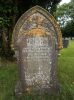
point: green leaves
(65, 17)
(65, 12)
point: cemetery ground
(9, 77)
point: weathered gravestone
(36, 44)
(65, 43)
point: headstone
(65, 43)
(36, 47)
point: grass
(9, 77)
(66, 72)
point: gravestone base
(53, 89)
(18, 89)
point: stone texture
(36, 44)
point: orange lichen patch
(37, 31)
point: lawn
(9, 77)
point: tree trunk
(71, 38)
(4, 39)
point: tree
(65, 17)
(68, 30)
(49, 5)
(62, 14)
(7, 12)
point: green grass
(66, 72)
(9, 77)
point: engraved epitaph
(36, 42)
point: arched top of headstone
(29, 15)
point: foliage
(68, 30)
(50, 5)
(7, 13)
(65, 17)
(65, 13)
